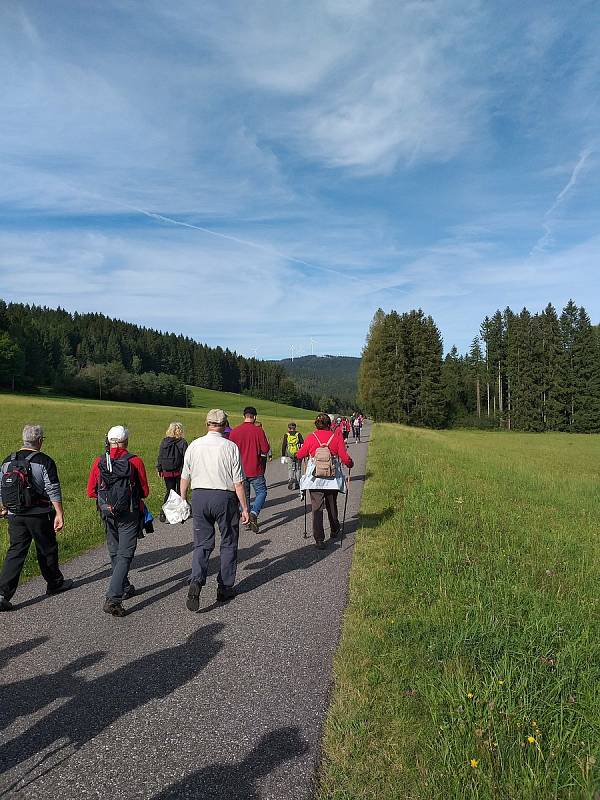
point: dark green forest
(524, 371)
(91, 355)
(332, 380)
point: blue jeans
(259, 485)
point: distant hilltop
(325, 376)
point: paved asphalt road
(226, 703)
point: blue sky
(254, 174)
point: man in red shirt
(119, 484)
(252, 443)
(324, 491)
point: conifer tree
(586, 376)
(369, 373)
(568, 327)
(554, 371)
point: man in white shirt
(213, 467)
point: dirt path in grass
(226, 703)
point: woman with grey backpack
(323, 478)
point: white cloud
(402, 144)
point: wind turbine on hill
(312, 345)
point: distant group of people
(222, 469)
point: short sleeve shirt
(213, 462)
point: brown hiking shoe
(114, 608)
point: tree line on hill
(92, 355)
(524, 371)
(332, 380)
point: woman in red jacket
(324, 491)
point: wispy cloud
(343, 153)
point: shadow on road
(96, 704)
(239, 781)
(176, 582)
(271, 568)
(19, 649)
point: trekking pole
(345, 506)
(305, 532)
(304, 497)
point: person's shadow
(31, 694)
(271, 568)
(240, 781)
(19, 649)
(98, 703)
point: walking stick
(304, 496)
(345, 506)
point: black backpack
(16, 488)
(117, 492)
(170, 456)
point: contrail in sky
(246, 242)
(560, 197)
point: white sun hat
(118, 434)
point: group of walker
(221, 468)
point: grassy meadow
(469, 665)
(75, 431)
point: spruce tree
(554, 371)
(368, 376)
(569, 321)
(586, 377)
(476, 376)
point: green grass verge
(469, 665)
(75, 431)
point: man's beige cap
(216, 416)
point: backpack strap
(31, 455)
(318, 440)
(328, 442)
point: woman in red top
(321, 495)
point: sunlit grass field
(469, 665)
(75, 431)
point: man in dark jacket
(41, 521)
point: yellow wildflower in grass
(530, 739)
(474, 763)
(470, 695)
(501, 682)
(534, 724)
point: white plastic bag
(283, 460)
(176, 508)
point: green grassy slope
(234, 404)
(469, 665)
(75, 431)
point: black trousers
(171, 483)
(22, 529)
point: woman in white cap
(119, 484)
